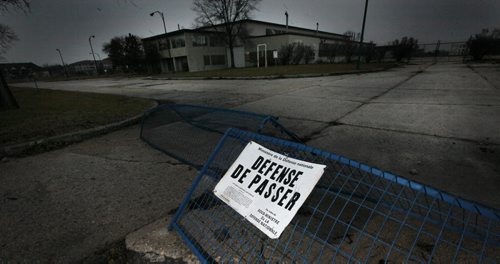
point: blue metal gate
(356, 213)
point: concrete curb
(66, 139)
(270, 77)
(153, 243)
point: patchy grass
(336, 68)
(44, 113)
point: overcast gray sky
(67, 24)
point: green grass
(285, 70)
(45, 113)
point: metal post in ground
(362, 35)
(92, 50)
(63, 64)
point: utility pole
(64, 65)
(286, 15)
(436, 52)
(98, 56)
(362, 35)
(92, 50)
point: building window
(214, 60)
(218, 59)
(164, 44)
(178, 43)
(216, 41)
(206, 60)
(199, 40)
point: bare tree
(225, 14)
(7, 36)
(20, 5)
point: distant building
(20, 71)
(106, 64)
(86, 67)
(54, 71)
(204, 49)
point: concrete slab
(217, 99)
(150, 88)
(369, 81)
(307, 108)
(491, 72)
(63, 205)
(483, 97)
(479, 123)
(303, 128)
(339, 93)
(155, 244)
(447, 77)
(466, 169)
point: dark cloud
(68, 24)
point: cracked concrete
(63, 205)
(438, 124)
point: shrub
(485, 43)
(293, 53)
(404, 48)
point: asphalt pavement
(436, 124)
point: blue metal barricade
(356, 213)
(201, 128)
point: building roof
(180, 31)
(204, 29)
(82, 62)
(279, 25)
(301, 34)
(17, 65)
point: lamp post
(64, 65)
(99, 56)
(362, 35)
(92, 50)
(164, 28)
(162, 18)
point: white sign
(267, 188)
(275, 54)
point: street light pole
(162, 19)
(362, 35)
(99, 56)
(64, 65)
(92, 49)
(164, 28)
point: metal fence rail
(201, 128)
(356, 213)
